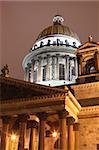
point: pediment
(88, 45)
(13, 88)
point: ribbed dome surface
(58, 29)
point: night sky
(21, 22)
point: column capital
(5, 119)
(23, 117)
(76, 126)
(42, 115)
(32, 124)
(70, 120)
(62, 114)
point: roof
(13, 89)
(58, 28)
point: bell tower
(88, 60)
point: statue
(5, 71)
(90, 38)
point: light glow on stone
(54, 134)
(13, 137)
(61, 38)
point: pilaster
(76, 130)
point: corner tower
(52, 59)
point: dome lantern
(58, 19)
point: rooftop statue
(5, 71)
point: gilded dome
(58, 28)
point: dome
(58, 28)
(52, 60)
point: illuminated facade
(52, 59)
(64, 115)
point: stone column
(76, 66)
(53, 68)
(22, 131)
(97, 60)
(32, 71)
(48, 68)
(39, 70)
(42, 117)
(81, 65)
(5, 127)
(57, 66)
(70, 122)
(63, 139)
(26, 75)
(76, 129)
(33, 125)
(67, 68)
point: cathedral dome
(57, 28)
(52, 59)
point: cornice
(25, 84)
(85, 86)
(35, 99)
(89, 112)
(33, 105)
(88, 75)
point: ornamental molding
(89, 75)
(88, 112)
(36, 99)
(85, 86)
(33, 86)
(33, 105)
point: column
(81, 65)
(67, 68)
(97, 60)
(76, 67)
(32, 71)
(70, 122)
(33, 125)
(5, 127)
(53, 68)
(48, 68)
(63, 139)
(22, 131)
(76, 129)
(39, 70)
(42, 117)
(26, 75)
(57, 66)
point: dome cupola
(52, 59)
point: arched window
(90, 66)
(61, 72)
(44, 73)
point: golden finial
(5, 71)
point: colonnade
(52, 68)
(68, 132)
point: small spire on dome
(58, 19)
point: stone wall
(89, 133)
